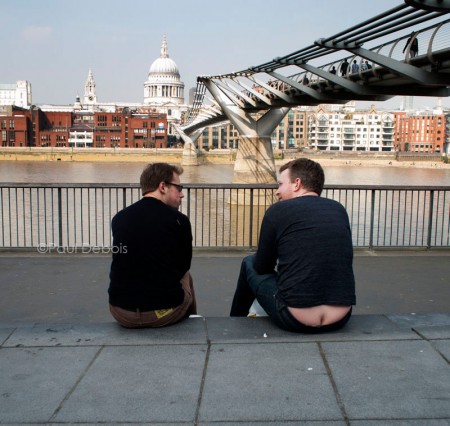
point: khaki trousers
(161, 317)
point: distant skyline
(53, 43)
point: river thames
(220, 217)
(122, 172)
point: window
(115, 141)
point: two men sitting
(301, 273)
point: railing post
(430, 218)
(59, 216)
(372, 219)
(188, 207)
(124, 198)
(250, 238)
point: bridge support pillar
(254, 161)
(190, 155)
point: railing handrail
(222, 186)
(222, 215)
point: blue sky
(53, 43)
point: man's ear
(162, 187)
(298, 184)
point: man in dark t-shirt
(302, 273)
(150, 284)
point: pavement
(64, 361)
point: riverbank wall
(170, 155)
(220, 156)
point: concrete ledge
(224, 330)
(389, 370)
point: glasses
(179, 187)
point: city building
(420, 132)
(15, 126)
(290, 133)
(447, 134)
(164, 90)
(223, 136)
(345, 129)
(83, 128)
(90, 96)
(18, 94)
(88, 122)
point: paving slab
(189, 331)
(138, 384)
(412, 320)
(443, 347)
(261, 329)
(4, 334)
(276, 423)
(34, 381)
(417, 422)
(390, 380)
(267, 382)
(100, 424)
(431, 333)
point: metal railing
(222, 215)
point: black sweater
(152, 250)
(310, 238)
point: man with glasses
(152, 251)
(302, 272)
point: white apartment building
(18, 94)
(345, 129)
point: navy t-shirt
(310, 238)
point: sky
(53, 43)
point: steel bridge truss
(415, 63)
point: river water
(119, 172)
(76, 217)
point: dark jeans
(251, 285)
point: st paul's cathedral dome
(163, 85)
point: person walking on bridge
(414, 45)
(302, 272)
(344, 68)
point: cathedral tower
(90, 98)
(163, 85)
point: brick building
(420, 133)
(15, 126)
(85, 128)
